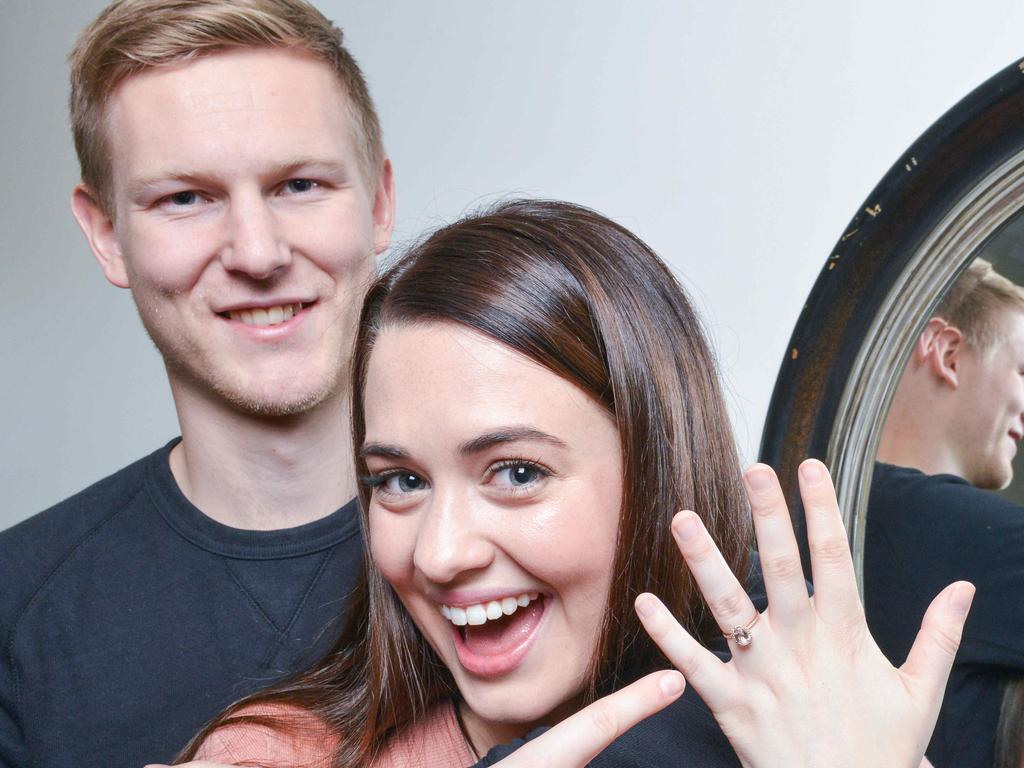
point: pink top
(434, 742)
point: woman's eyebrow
(508, 435)
(476, 445)
(382, 450)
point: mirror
(955, 195)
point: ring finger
(728, 601)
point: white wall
(736, 138)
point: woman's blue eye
(518, 475)
(403, 482)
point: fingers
(726, 598)
(709, 676)
(577, 739)
(835, 583)
(776, 544)
(931, 656)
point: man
(234, 179)
(950, 437)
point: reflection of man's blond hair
(974, 301)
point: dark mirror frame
(946, 195)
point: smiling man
(950, 437)
(234, 179)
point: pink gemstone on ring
(742, 636)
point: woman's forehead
(445, 379)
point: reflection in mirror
(948, 440)
(954, 195)
(1006, 252)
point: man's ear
(384, 208)
(98, 228)
(939, 347)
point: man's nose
(450, 541)
(254, 245)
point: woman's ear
(98, 228)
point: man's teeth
(266, 315)
(481, 613)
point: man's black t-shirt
(923, 533)
(128, 618)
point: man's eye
(300, 185)
(188, 197)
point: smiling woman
(533, 401)
(513, 497)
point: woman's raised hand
(575, 741)
(807, 685)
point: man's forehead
(236, 79)
(233, 108)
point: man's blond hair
(974, 303)
(130, 36)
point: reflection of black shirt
(924, 532)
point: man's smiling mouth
(261, 317)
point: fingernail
(644, 605)
(759, 478)
(960, 600)
(685, 527)
(671, 683)
(812, 471)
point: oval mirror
(957, 194)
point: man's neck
(261, 473)
(913, 447)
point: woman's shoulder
(434, 741)
(280, 735)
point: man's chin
(277, 400)
(995, 479)
(276, 405)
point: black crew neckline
(205, 532)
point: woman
(533, 399)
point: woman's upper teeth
(481, 613)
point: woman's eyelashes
(512, 477)
(517, 476)
(395, 482)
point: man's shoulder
(33, 549)
(910, 491)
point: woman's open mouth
(492, 638)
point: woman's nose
(451, 540)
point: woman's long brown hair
(1009, 740)
(588, 300)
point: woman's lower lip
(497, 664)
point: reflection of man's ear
(99, 231)
(939, 348)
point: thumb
(927, 666)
